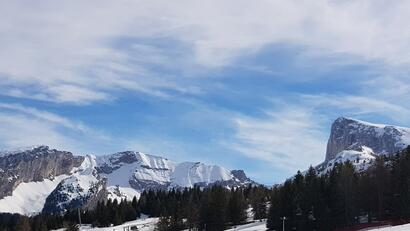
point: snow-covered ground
(255, 226)
(148, 224)
(405, 227)
(143, 224)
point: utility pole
(79, 217)
(283, 223)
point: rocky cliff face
(35, 164)
(351, 134)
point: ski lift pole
(283, 223)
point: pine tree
(23, 224)
(39, 224)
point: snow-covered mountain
(360, 142)
(129, 173)
(42, 179)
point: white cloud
(45, 116)
(360, 106)
(23, 126)
(70, 51)
(21, 131)
(290, 139)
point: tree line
(213, 208)
(343, 197)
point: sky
(251, 85)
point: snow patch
(361, 160)
(120, 193)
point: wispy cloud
(290, 139)
(23, 126)
(21, 131)
(359, 105)
(46, 116)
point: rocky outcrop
(108, 164)
(351, 134)
(34, 164)
(69, 194)
(240, 175)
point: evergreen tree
(23, 224)
(39, 224)
(237, 207)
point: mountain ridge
(87, 179)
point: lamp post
(283, 223)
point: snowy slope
(118, 185)
(187, 174)
(361, 160)
(29, 198)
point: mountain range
(42, 179)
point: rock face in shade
(42, 179)
(351, 134)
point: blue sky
(251, 86)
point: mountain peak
(24, 149)
(353, 134)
